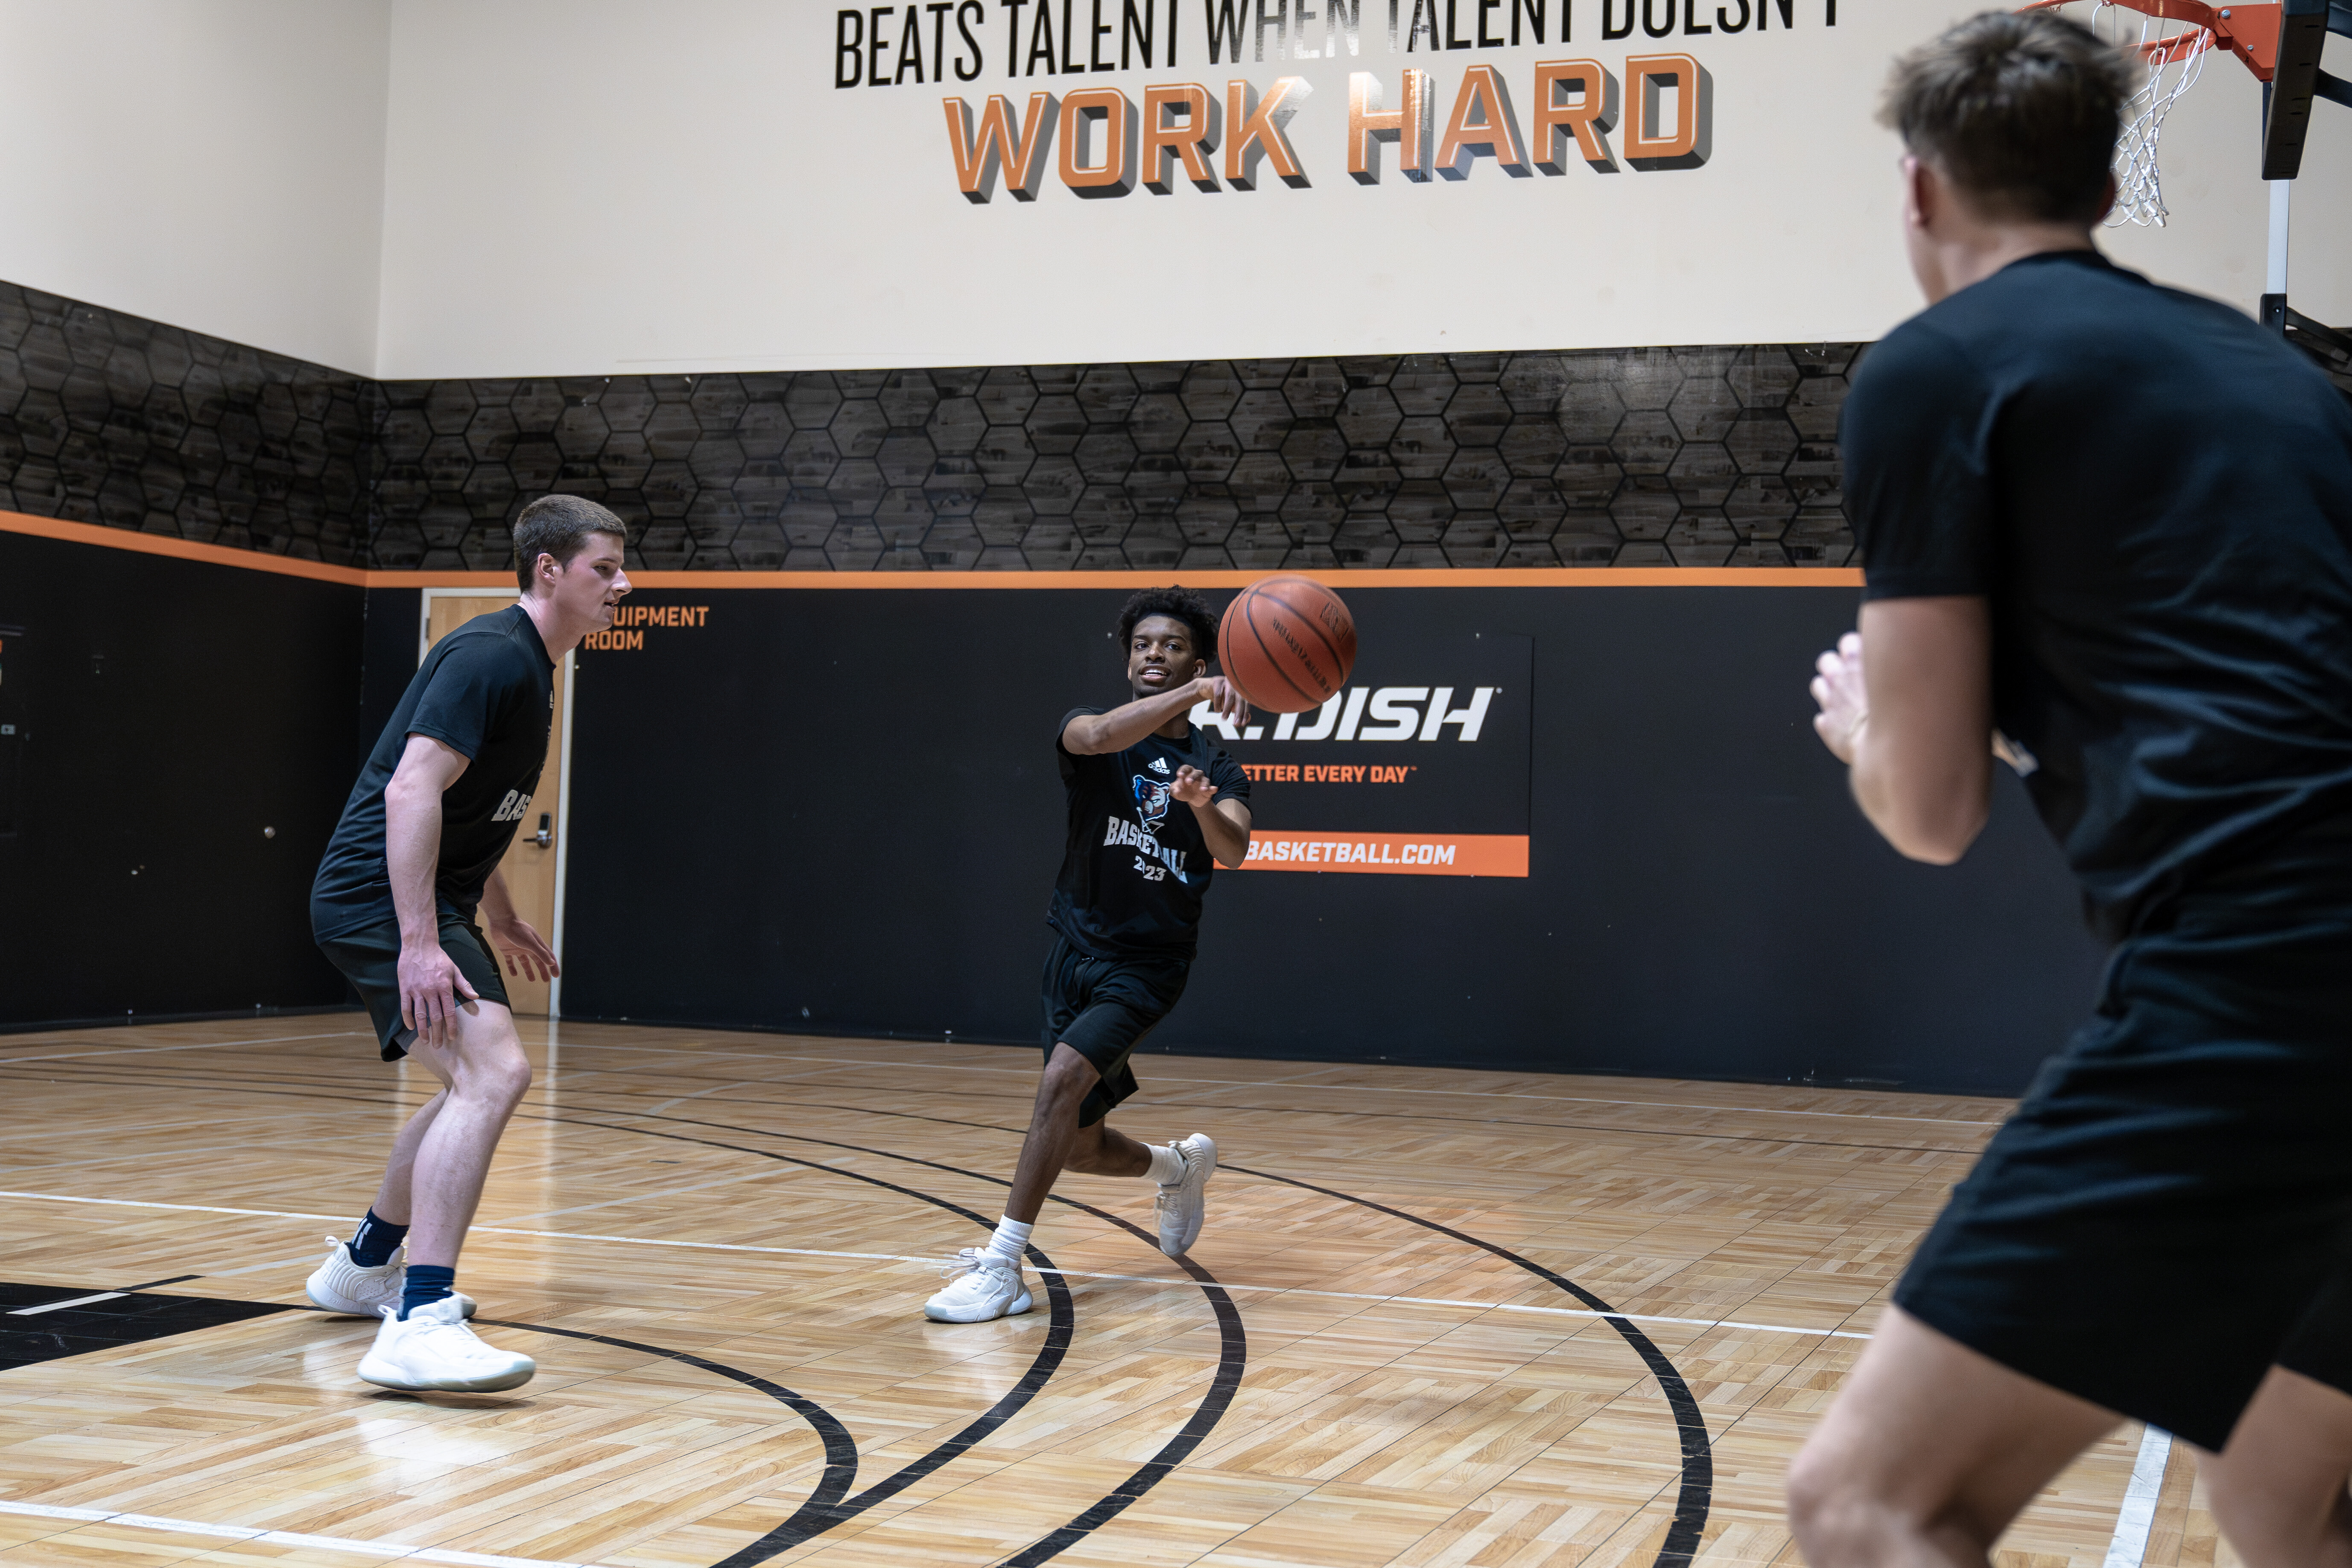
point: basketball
(1287, 644)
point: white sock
(1167, 1165)
(1011, 1238)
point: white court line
(1025, 1072)
(1178, 1085)
(1065, 1273)
(202, 1046)
(279, 1537)
(2138, 1516)
(258, 1268)
(61, 1306)
(667, 1192)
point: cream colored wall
(595, 186)
(429, 188)
(213, 163)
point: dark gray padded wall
(109, 419)
(1692, 456)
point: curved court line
(1153, 1280)
(1692, 1503)
(811, 1520)
(840, 1447)
(808, 1522)
(1695, 1498)
(1299, 1078)
(1233, 1343)
(1409, 1116)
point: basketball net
(2175, 60)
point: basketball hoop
(2175, 37)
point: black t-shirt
(2156, 496)
(488, 691)
(1136, 866)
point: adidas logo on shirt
(1158, 764)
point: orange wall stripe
(700, 582)
(1398, 853)
(181, 549)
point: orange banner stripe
(1398, 853)
(1369, 577)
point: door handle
(545, 837)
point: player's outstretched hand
(1192, 787)
(1844, 702)
(430, 985)
(1224, 698)
(527, 954)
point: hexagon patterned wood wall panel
(1612, 456)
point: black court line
(1695, 1498)
(1220, 1105)
(128, 1318)
(1694, 1501)
(1233, 1343)
(808, 1521)
(1306, 1111)
(1372, 1116)
(840, 1448)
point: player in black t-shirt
(414, 856)
(1152, 806)
(2107, 528)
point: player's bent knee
(1067, 1078)
(1831, 1514)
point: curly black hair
(1182, 603)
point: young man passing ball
(1151, 803)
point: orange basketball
(1287, 644)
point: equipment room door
(534, 862)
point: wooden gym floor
(1388, 1346)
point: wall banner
(1649, 106)
(1419, 768)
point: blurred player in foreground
(2107, 527)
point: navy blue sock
(375, 1241)
(425, 1283)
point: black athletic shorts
(370, 960)
(1101, 1008)
(2162, 1218)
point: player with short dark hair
(2107, 528)
(1152, 806)
(413, 858)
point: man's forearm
(412, 843)
(1123, 727)
(1227, 840)
(1935, 814)
(497, 904)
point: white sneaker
(432, 1349)
(340, 1285)
(984, 1286)
(1183, 1202)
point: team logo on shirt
(1151, 797)
(1153, 859)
